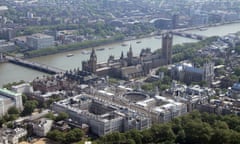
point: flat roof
(158, 109)
(2, 8)
(161, 98)
(145, 103)
(6, 91)
(40, 36)
(105, 92)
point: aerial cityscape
(119, 71)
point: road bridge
(188, 35)
(33, 65)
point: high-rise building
(167, 40)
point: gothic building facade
(167, 40)
(187, 73)
(131, 66)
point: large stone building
(6, 46)
(11, 136)
(103, 117)
(130, 67)
(38, 41)
(187, 73)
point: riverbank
(116, 39)
(72, 47)
(81, 46)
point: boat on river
(202, 29)
(138, 42)
(123, 44)
(100, 49)
(85, 52)
(69, 55)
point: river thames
(10, 72)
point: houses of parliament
(128, 67)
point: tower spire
(122, 56)
(93, 54)
(93, 61)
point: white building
(162, 109)
(38, 41)
(102, 117)
(9, 99)
(11, 136)
(23, 88)
(42, 127)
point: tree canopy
(200, 128)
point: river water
(10, 72)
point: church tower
(167, 40)
(93, 62)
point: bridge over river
(34, 65)
(188, 35)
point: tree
(56, 135)
(181, 136)
(148, 87)
(220, 136)
(197, 132)
(50, 115)
(24, 98)
(13, 110)
(147, 136)
(220, 125)
(237, 71)
(29, 107)
(113, 137)
(162, 133)
(74, 135)
(61, 116)
(234, 138)
(134, 135)
(162, 69)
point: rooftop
(236, 86)
(40, 36)
(2, 8)
(6, 91)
